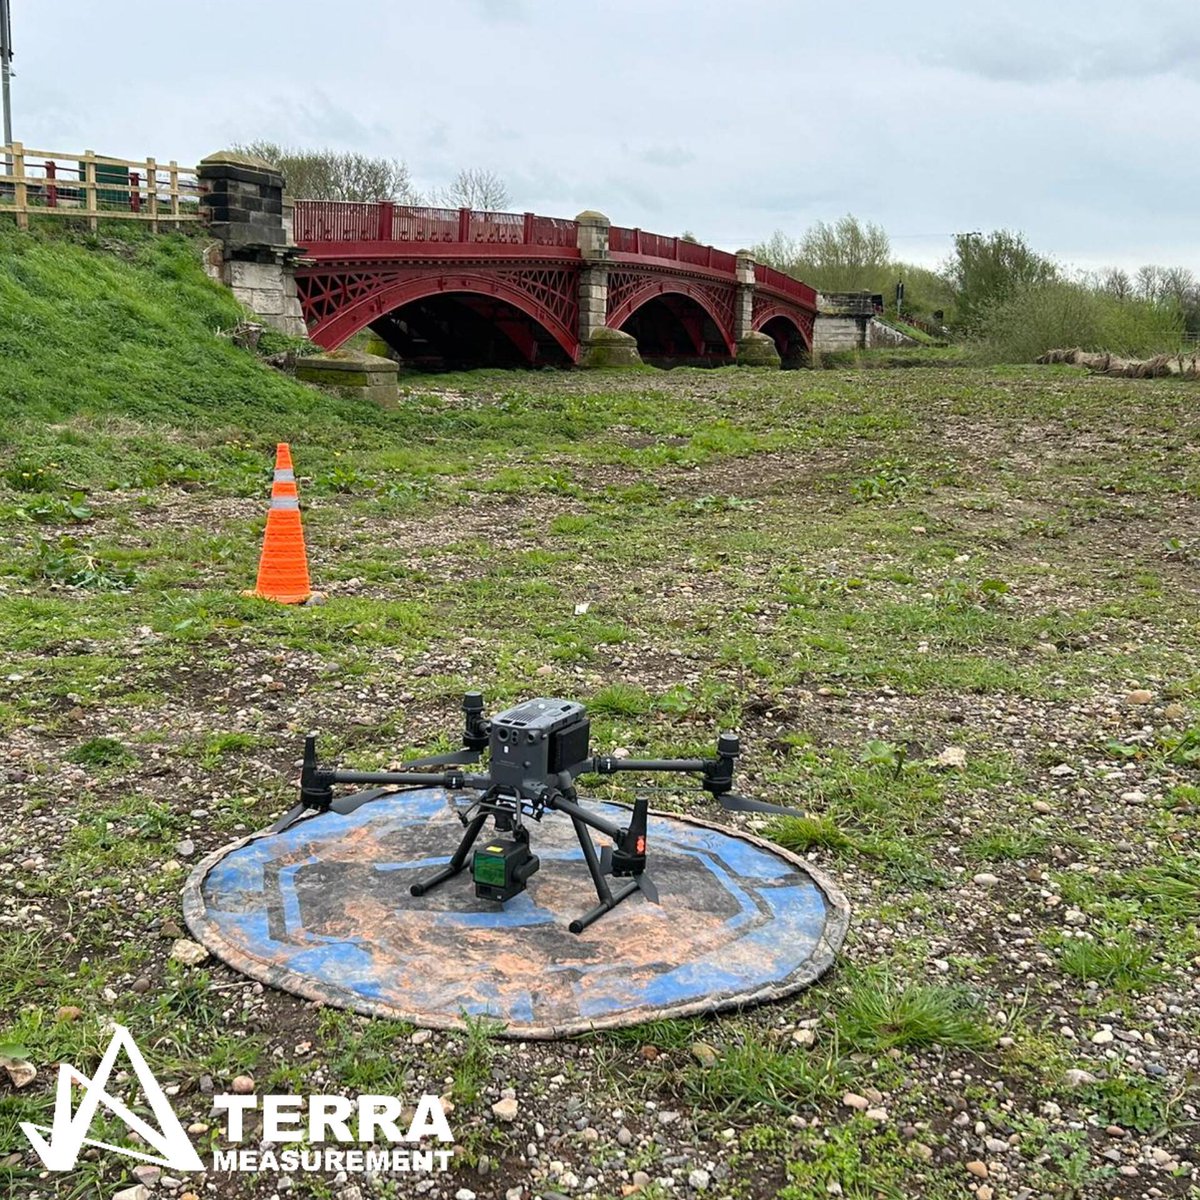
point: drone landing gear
(625, 858)
(502, 869)
(608, 898)
(458, 859)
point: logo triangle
(68, 1134)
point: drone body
(536, 750)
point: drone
(535, 752)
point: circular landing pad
(323, 910)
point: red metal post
(51, 190)
(386, 210)
(527, 234)
(464, 224)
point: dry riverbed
(953, 614)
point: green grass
(621, 700)
(881, 1012)
(754, 1074)
(102, 752)
(801, 834)
(859, 1160)
(1000, 845)
(1116, 959)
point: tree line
(997, 291)
(349, 175)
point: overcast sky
(1073, 122)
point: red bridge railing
(324, 221)
(777, 281)
(680, 250)
(383, 221)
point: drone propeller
(628, 858)
(342, 805)
(290, 817)
(732, 802)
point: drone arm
(610, 766)
(577, 812)
(717, 772)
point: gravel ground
(953, 615)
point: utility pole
(5, 73)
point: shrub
(1031, 320)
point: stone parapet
(243, 204)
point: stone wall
(839, 331)
(882, 335)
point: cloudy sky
(1072, 121)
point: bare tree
(1149, 282)
(1116, 283)
(1180, 284)
(845, 256)
(336, 174)
(474, 187)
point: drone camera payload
(536, 750)
(501, 869)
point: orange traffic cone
(283, 568)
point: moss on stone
(610, 348)
(757, 350)
(351, 373)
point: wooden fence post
(152, 193)
(91, 199)
(173, 170)
(20, 195)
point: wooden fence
(95, 187)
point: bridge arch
(342, 309)
(783, 323)
(627, 298)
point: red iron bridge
(462, 288)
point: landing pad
(323, 910)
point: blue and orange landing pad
(323, 910)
